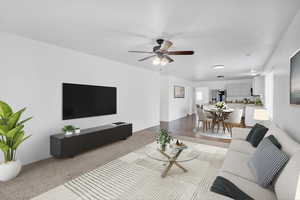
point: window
(199, 96)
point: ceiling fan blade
(146, 58)
(180, 53)
(169, 59)
(166, 45)
(140, 52)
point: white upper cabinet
(259, 85)
(238, 90)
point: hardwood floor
(184, 127)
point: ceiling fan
(161, 53)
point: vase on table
(163, 147)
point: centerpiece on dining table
(220, 106)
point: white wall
(284, 114)
(164, 98)
(177, 107)
(180, 107)
(269, 93)
(32, 74)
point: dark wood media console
(62, 146)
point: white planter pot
(10, 170)
(68, 133)
(77, 131)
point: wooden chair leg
(223, 124)
(227, 126)
(213, 125)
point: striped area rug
(135, 176)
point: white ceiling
(219, 31)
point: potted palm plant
(163, 138)
(11, 136)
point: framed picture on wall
(295, 79)
(179, 91)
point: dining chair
(204, 119)
(235, 118)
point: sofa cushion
(258, 134)
(273, 139)
(240, 133)
(266, 162)
(250, 188)
(288, 145)
(288, 183)
(237, 163)
(242, 146)
(252, 131)
(225, 187)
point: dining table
(218, 117)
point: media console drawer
(62, 146)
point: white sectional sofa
(236, 170)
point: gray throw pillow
(273, 139)
(258, 135)
(266, 162)
(253, 129)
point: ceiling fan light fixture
(219, 67)
(156, 61)
(253, 72)
(161, 53)
(164, 61)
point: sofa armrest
(240, 133)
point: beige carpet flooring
(44, 175)
(136, 176)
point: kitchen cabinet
(238, 90)
(259, 85)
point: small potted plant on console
(69, 130)
(163, 139)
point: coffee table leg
(178, 165)
(171, 163)
(164, 174)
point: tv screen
(295, 79)
(88, 100)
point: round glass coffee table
(173, 155)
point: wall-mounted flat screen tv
(88, 100)
(295, 79)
